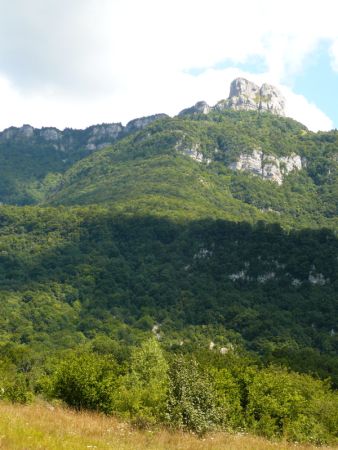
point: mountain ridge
(243, 96)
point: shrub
(192, 400)
(286, 404)
(86, 381)
(142, 392)
(14, 385)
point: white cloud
(299, 108)
(78, 62)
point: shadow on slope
(74, 271)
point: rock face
(198, 108)
(245, 95)
(91, 138)
(190, 150)
(103, 135)
(271, 100)
(51, 134)
(142, 122)
(268, 167)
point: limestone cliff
(245, 95)
(198, 108)
(142, 122)
(92, 138)
(268, 167)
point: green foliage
(85, 381)
(141, 392)
(148, 171)
(291, 405)
(141, 234)
(192, 400)
(71, 275)
(14, 385)
(228, 394)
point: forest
(139, 282)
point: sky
(75, 63)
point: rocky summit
(245, 95)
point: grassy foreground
(43, 427)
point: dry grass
(42, 427)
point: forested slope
(216, 234)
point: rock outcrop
(91, 138)
(142, 122)
(51, 134)
(103, 135)
(191, 150)
(245, 95)
(198, 108)
(271, 100)
(268, 167)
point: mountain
(217, 225)
(33, 160)
(231, 164)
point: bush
(86, 381)
(290, 405)
(142, 392)
(192, 399)
(14, 385)
(228, 392)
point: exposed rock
(91, 138)
(142, 122)
(266, 277)
(26, 131)
(102, 136)
(198, 108)
(250, 162)
(268, 167)
(190, 150)
(9, 133)
(203, 253)
(156, 331)
(271, 100)
(245, 95)
(51, 134)
(227, 349)
(317, 279)
(211, 345)
(241, 275)
(110, 131)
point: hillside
(190, 162)
(213, 232)
(33, 160)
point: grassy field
(43, 427)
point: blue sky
(318, 82)
(74, 63)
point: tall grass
(43, 427)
